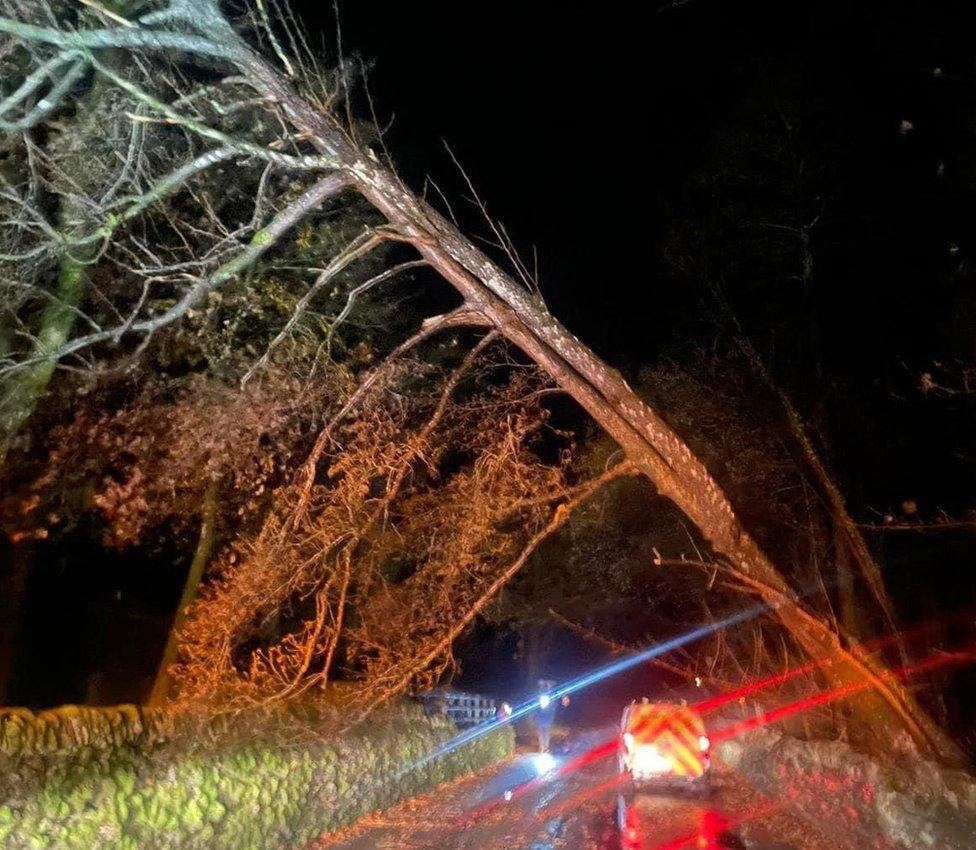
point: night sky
(580, 128)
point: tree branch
(46, 105)
(128, 37)
(260, 243)
(208, 132)
(559, 518)
(350, 254)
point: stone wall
(128, 779)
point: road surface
(512, 807)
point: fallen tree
(198, 28)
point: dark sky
(548, 110)
(579, 126)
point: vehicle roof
(644, 710)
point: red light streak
(867, 648)
(938, 660)
(718, 701)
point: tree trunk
(23, 390)
(647, 440)
(162, 684)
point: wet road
(513, 807)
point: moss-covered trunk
(24, 388)
(21, 392)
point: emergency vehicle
(664, 743)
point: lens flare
(937, 660)
(544, 763)
(589, 679)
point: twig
(360, 246)
(262, 241)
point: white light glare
(544, 701)
(544, 762)
(648, 760)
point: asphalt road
(514, 807)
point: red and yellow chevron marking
(675, 731)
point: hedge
(96, 778)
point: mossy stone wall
(97, 778)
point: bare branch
(207, 132)
(260, 243)
(35, 80)
(325, 276)
(272, 38)
(133, 38)
(365, 286)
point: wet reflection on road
(580, 804)
(593, 807)
(666, 823)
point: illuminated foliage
(378, 558)
(147, 464)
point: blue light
(588, 679)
